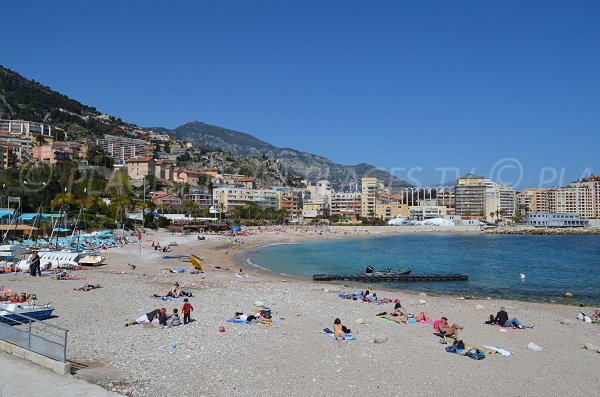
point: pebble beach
(294, 357)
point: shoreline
(244, 360)
(243, 255)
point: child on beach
(163, 317)
(186, 310)
(338, 331)
(175, 320)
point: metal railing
(46, 339)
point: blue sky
(508, 89)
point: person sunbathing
(252, 318)
(87, 287)
(449, 330)
(338, 330)
(16, 297)
(397, 316)
(422, 317)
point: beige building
(423, 212)
(140, 167)
(347, 205)
(391, 210)
(534, 200)
(479, 198)
(591, 183)
(229, 198)
(373, 194)
(312, 209)
(122, 148)
(576, 199)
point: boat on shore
(13, 312)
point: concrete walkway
(22, 378)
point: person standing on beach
(35, 264)
(503, 320)
(187, 310)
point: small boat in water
(13, 313)
(370, 270)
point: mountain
(24, 99)
(307, 165)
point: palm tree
(94, 203)
(189, 206)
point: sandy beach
(294, 357)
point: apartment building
(422, 212)
(479, 198)
(229, 198)
(140, 167)
(346, 205)
(122, 148)
(291, 201)
(312, 209)
(373, 194)
(577, 199)
(9, 155)
(469, 195)
(200, 197)
(389, 211)
(24, 128)
(534, 200)
(591, 183)
(59, 152)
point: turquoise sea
(552, 265)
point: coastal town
(149, 160)
(321, 199)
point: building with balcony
(229, 198)
(346, 205)
(423, 212)
(201, 198)
(533, 200)
(122, 148)
(25, 128)
(373, 194)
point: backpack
(475, 354)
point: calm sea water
(551, 264)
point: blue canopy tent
(6, 213)
(32, 216)
(236, 229)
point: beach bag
(451, 349)
(346, 330)
(475, 354)
(265, 312)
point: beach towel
(275, 321)
(348, 337)
(386, 319)
(505, 353)
(167, 298)
(469, 346)
(501, 326)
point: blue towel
(348, 337)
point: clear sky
(409, 86)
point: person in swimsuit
(252, 318)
